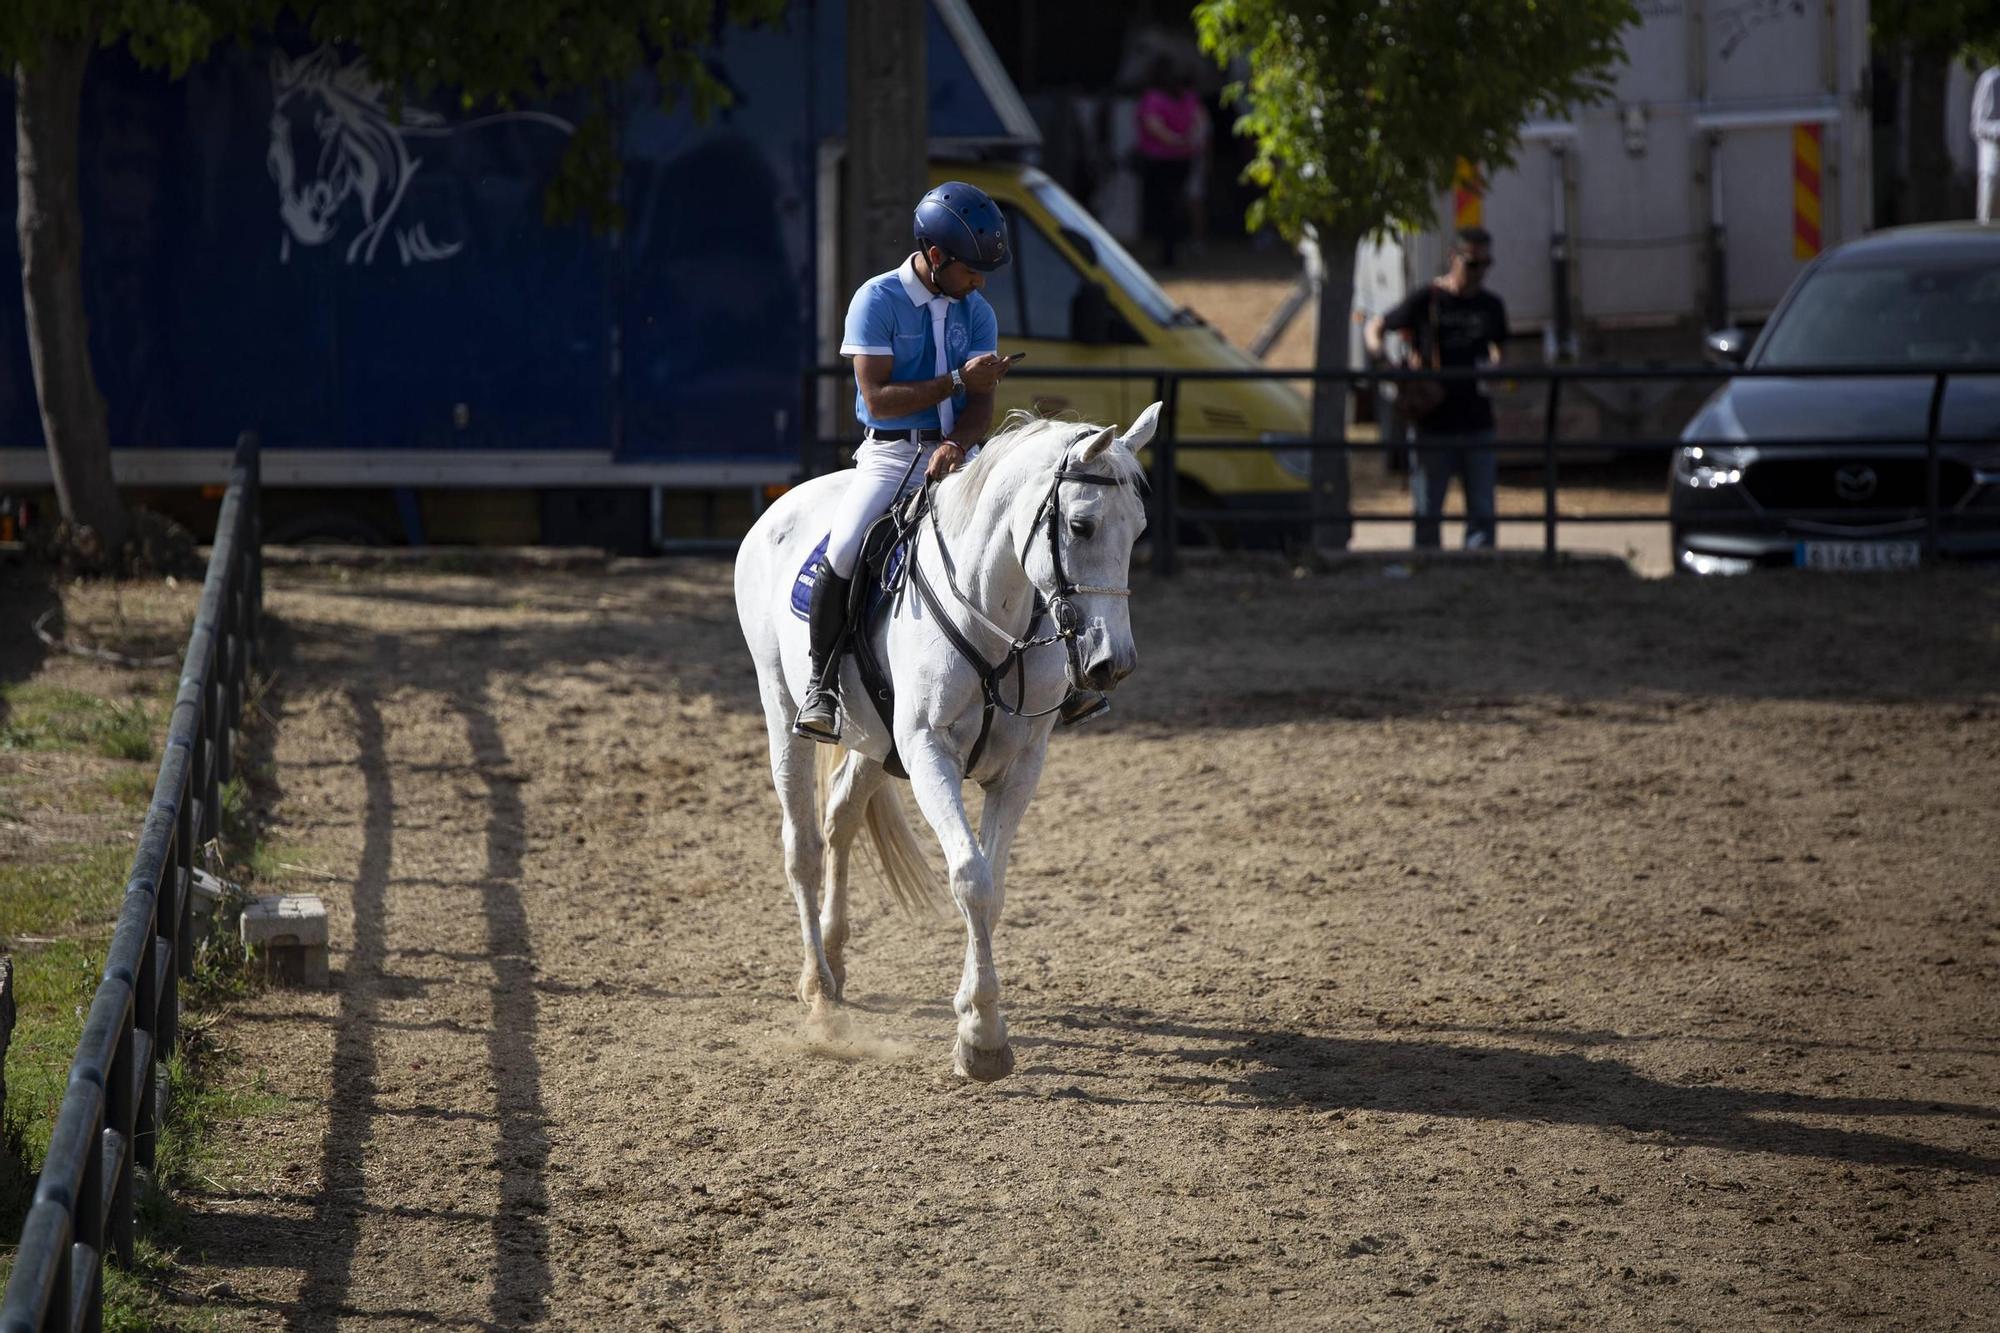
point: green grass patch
(77, 888)
(56, 917)
(130, 790)
(55, 717)
(53, 988)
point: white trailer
(1687, 201)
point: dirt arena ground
(1482, 949)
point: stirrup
(819, 717)
(1082, 706)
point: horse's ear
(1098, 444)
(1142, 430)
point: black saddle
(885, 553)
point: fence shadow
(1274, 1067)
(326, 1245)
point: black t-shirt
(1467, 325)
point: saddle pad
(880, 579)
(808, 575)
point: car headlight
(1297, 462)
(1706, 466)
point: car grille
(1864, 485)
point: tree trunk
(888, 134)
(1929, 198)
(1331, 342)
(47, 101)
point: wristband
(957, 381)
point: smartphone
(1012, 357)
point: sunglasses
(1479, 265)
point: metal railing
(106, 1131)
(1166, 513)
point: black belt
(922, 434)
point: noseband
(1057, 604)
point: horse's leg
(792, 774)
(847, 800)
(1007, 798)
(982, 1051)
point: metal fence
(106, 1131)
(1167, 513)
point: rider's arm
(975, 421)
(887, 398)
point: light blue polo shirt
(891, 316)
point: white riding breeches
(883, 470)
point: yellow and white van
(1073, 297)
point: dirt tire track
(1482, 950)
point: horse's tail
(900, 862)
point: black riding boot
(1081, 706)
(826, 622)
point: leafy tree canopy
(1970, 27)
(1359, 109)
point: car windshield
(1908, 312)
(1124, 270)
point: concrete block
(209, 893)
(287, 937)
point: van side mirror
(1094, 321)
(1727, 347)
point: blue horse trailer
(270, 246)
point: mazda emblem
(1854, 482)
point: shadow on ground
(1274, 1068)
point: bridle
(1056, 604)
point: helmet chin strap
(936, 281)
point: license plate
(1845, 557)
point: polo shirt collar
(913, 286)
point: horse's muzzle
(1105, 671)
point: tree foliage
(1971, 27)
(1359, 109)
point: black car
(1831, 473)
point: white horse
(1048, 513)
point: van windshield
(1131, 277)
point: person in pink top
(1173, 132)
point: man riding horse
(926, 355)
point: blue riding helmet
(962, 221)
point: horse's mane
(1022, 431)
(355, 94)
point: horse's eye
(1082, 529)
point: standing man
(1986, 138)
(926, 359)
(1452, 321)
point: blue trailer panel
(269, 246)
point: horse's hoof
(982, 1066)
(815, 985)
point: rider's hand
(984, 371)
(948, 455)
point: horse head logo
(336, 117)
